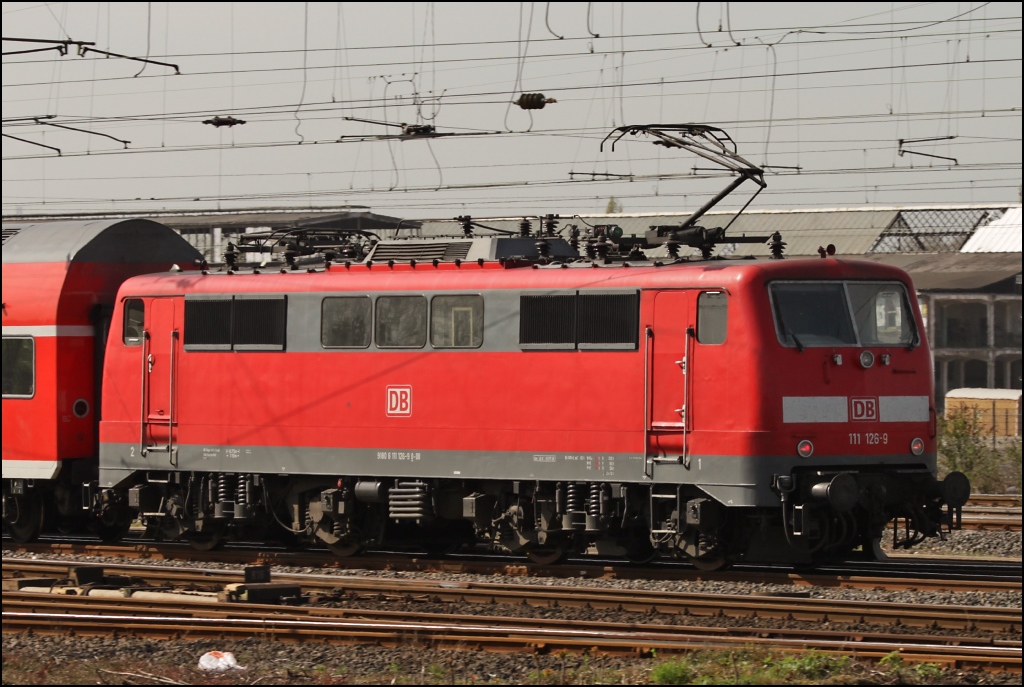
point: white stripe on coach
(44, 330)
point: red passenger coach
(59, 284)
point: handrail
(170, 404)
(145, 377)
(648, 335)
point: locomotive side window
(401, 322)
(607, 320)
(457, 321)
(258, 324)
(712, 317)
(345, 322)
(812, 314)
(19, 367)
(208, 325)
(547, 321)
(134, 321)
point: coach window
(134, 321)
(345, 322)
(712, 317)
(401, 322)
(457, 321)
(19, 367)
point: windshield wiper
(786, 331)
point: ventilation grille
(208, 324)
(547, 320)
(608, 318)
(435, 250)
(258, 323)
(240, 323)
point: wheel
(709, 563)
(205, 541)
(345, 548)
(25, 524)
(546, 555)
(441, 549)
(112, 525)
(641, 551)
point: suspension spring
(242, 491)
(576, 498)
(594, 501)
(224, 490)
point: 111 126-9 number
(869, 439)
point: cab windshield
(835, 313)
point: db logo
(864, 409)
(399, 401)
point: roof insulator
(480, 261)
(412, 263)
(391, 263)
(533, 101)
(436, 262)
(458, 262)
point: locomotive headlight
(805, 449)
(867, 359)
(917, 446)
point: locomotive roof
(486, 276)
(102, 240)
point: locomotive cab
(858, 415)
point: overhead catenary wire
(769, 129)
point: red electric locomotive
(768, 410)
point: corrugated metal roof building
(1002, 235)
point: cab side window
(712, 317)
(134, 321)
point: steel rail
(788, 608)
(900, 572)
(33, 602)
(495, 634)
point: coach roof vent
(11, 230)
(403, 251)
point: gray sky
(828, 88)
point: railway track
(202, 616)
(786, 607)
(493, 633)
(996, 500)
(898, 573)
